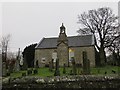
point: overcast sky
(29, 22)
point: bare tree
(103, 24)
(4, 45)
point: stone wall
(90, 53)
(78, 81)
(47, 54)
(43, 54)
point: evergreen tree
(28, 55)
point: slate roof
(73, 41)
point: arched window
(54, 56)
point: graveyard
(90, 59)
(53, 76)
(45, 72)
(101, 77)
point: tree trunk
(102, 56)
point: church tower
(62, 47)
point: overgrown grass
(105, 70)
(44, 72)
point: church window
(43, 60)
(54, 56)
(71, 54)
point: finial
(62, 24)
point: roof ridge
(68, 36)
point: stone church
(64, 48)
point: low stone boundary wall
(77, 81)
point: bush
(8, 74)
(35, 71)
(29, 72)
(24, 74)
(64, 69)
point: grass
(44, 72)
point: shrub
(64, 69)
(8, 74)
(23, 74)
(29, 72)
(35, 71)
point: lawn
(44, 72)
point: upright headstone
(4, 71)
(51, 65)
(74, 66)
(21, 62)
(36, 66)
(17, 64)
(57, 72)
(86, 63)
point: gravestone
(4, 71)
(17, 65)
(57, 72)
(86, 63)
(74, 66)
(37, 64)
(64, 68)
(51, 65)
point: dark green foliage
(35, 71)
(113, 71)
(28, 55)
(71, 72)
(105, 72)
(64, 69)
(8, 74)
(24, 74)
(29, 72)
(57, 72)
(86, 64)
(74, 66)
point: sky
(29, 22)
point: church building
(64, 48)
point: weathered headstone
(25, 66)
(57, 72)
(17, 65)
(74, 66)
(4, 71)
(37, 64)
(86, 63)
(51, 65)
(64, 68)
